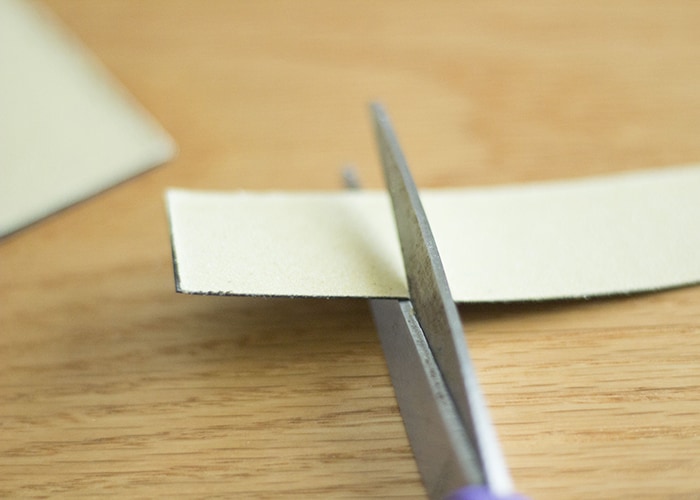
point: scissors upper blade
(434, 307)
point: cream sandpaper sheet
(568, 239)
(67, 129)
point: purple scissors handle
(479, 492)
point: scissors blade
(445, 457)
(435, 309)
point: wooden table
(112, 384)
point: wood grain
(111, 384)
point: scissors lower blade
(441, 447)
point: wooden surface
(111, 384)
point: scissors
(444, 413)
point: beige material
(67, 129)
(609, 235)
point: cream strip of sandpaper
(68, 130)
(616, 234)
